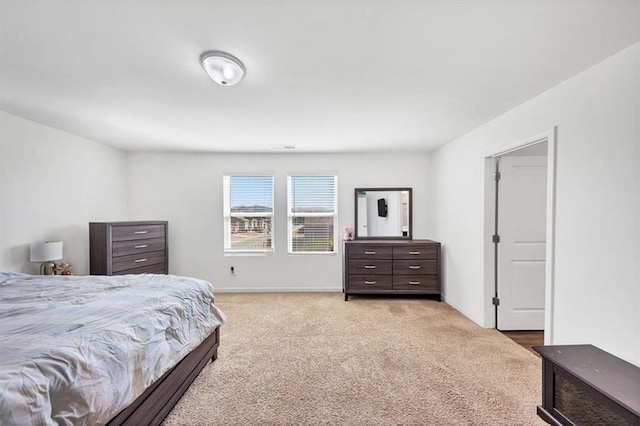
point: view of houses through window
(248, 209)
(249, 213)
(312, 213)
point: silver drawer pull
(141, 246)
(414, 282)
(140, 260)
(414, 267)
(414, 252)
(369, 252)
(140, 232)
(369, 266)
(369, 282)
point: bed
(101, 350)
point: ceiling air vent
(283, 147)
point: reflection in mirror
(383, 213)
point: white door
(521, 251)
(362, 216)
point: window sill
(248, 253)
(314, 253)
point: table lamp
(46, 253)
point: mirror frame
(410, 211)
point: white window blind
(248, 214)
(312, 216)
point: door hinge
(495, 301)
(495, 239)
(497, 176)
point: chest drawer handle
(141, 246)
(414, 267)
(369, 266)
(414, 252)
(414, 282)
(369, 252)
(140, 260)
(140, 232)
(369, 282)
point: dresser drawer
(429, 251)
(138, 260)
(137, 232)
(366, 251)
(369, 282)
(124, 248)
(375, 267)
(149, 269)
(415, 267)
(426, 283)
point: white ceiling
(325, 76)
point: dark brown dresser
(584, 385)
(391, 267)
(118, 248)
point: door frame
(489, 222)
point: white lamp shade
(223, 68)
(44, 252)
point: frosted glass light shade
(44, 252)
(224, 69)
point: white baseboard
(454, 306)
(277, 289)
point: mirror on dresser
(383, 213)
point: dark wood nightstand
(584, 385)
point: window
(248, 214)
(312, 213)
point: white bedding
(79, 349)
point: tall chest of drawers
(391, 267)
(118, 248)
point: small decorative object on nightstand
(63, 269)
(46, 253)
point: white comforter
(77, 350)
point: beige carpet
(311, 358)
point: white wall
(52, 184)
(597, 242)
(186, 190)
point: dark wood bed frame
(157, 401)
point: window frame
(291, 215)
(227, 215)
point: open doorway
(519, 205)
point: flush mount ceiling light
(224, 69)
